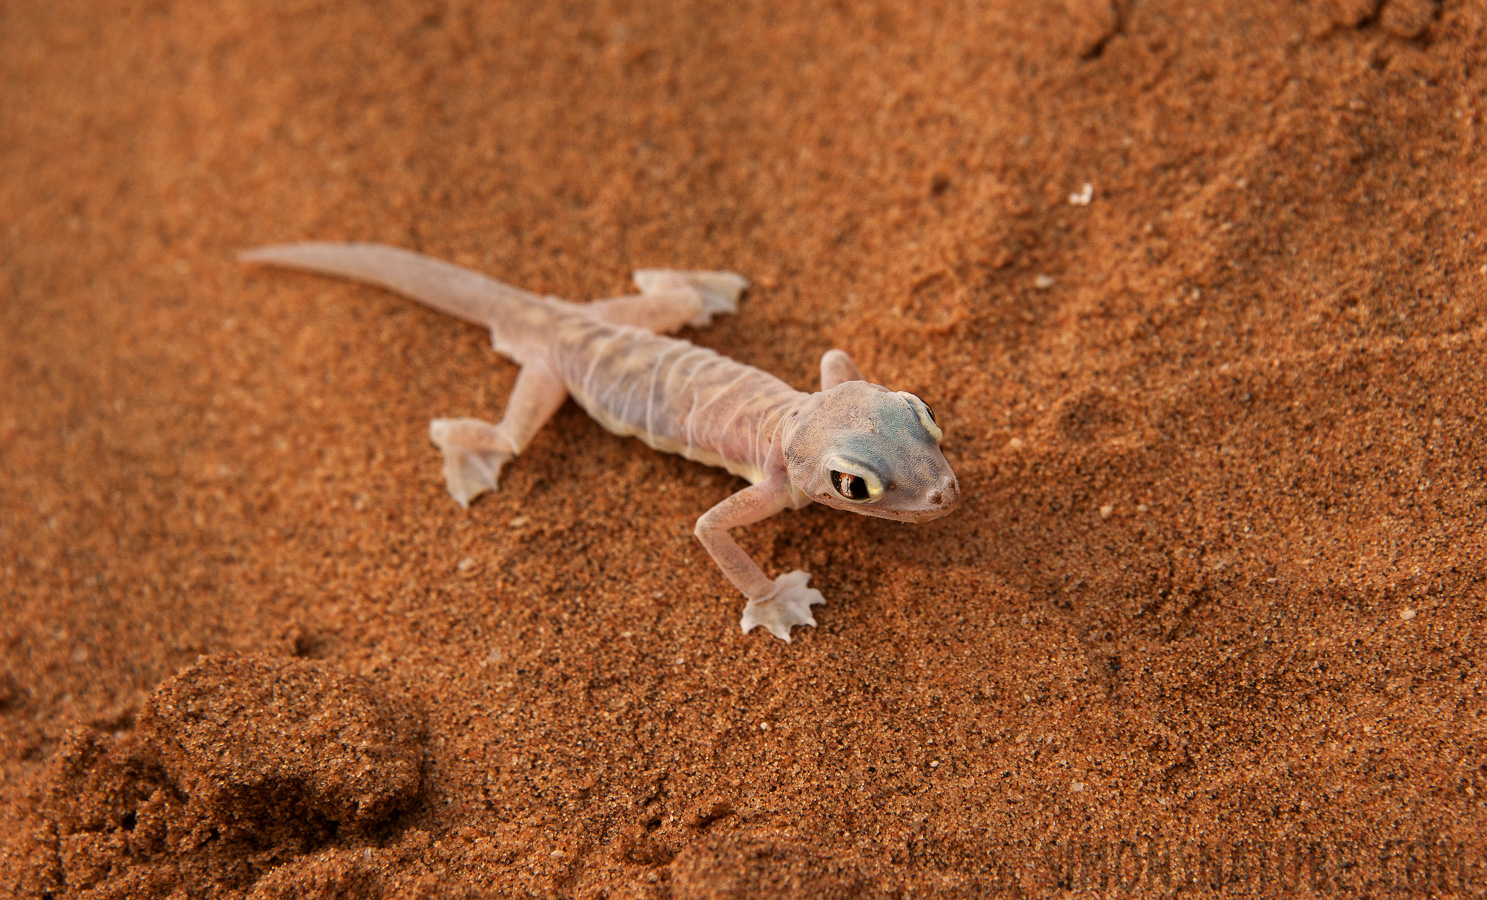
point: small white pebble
(1086, 194)
(934, 764)
(1107, 511)
(1077, 787)
(1406, 614)
(1368, 729)
(1014, 444)
(1142, 507)
(517, 522)
(466, 564)
(763, 726)
(1043, 282)
(557, 854)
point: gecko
(853, 445)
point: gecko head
(864, 448)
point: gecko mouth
(906, 516)
(940, 502)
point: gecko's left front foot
(786, 605)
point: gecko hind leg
(719, 290)
(475, 451)
(670, 299)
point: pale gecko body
(852, 445)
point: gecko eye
(926, 416)
(851, 486)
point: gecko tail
(448, 288)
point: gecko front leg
(837, 368)
(778, 605)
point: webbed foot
(786, 605)
(474, 453)
(719, 290)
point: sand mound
(236, 765)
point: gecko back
(673, 395)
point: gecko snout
(946, 495)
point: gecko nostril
(936, 498)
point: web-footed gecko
(854, 445)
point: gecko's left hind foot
(474, 453)
(786, 605)
(719, 290)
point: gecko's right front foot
(474, 453)
(784, 606)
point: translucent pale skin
(853, 445)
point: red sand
(1217, 584)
